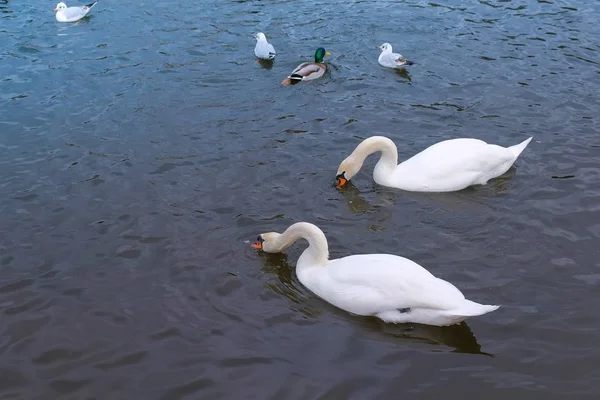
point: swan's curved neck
(317, 252)
(389, 152)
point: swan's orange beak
(257, 245)
(341, 181)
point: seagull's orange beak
(56, 10)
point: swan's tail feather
(471, 309)
(517, 149)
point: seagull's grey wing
(399, 58)
(75, 12)
(265, 50)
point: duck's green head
(320, 54)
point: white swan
(72, 14)
(443, 167)
(391, 60)
(392, 288)
(263, 49)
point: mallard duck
(308, 71)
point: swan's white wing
(372, 283)
(452, 164)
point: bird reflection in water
(459, 336)
(266, 64)
(403, 73)
(359, 205)
(355, 202)
(288, 284)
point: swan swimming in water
(446, 166)
(392, 288)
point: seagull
(72, 14)
(263, 49)
(391, 60)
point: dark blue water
(141, 148)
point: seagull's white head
(260, 36)
(385, 47)
(60, 6)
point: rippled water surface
(141, 149)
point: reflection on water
(266, 64)
(356, 203)
(287, 284)
(403, 73)
(459, 337)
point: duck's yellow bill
(327, 53)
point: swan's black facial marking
(259, 242)
(404, 310)
(341, 179)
